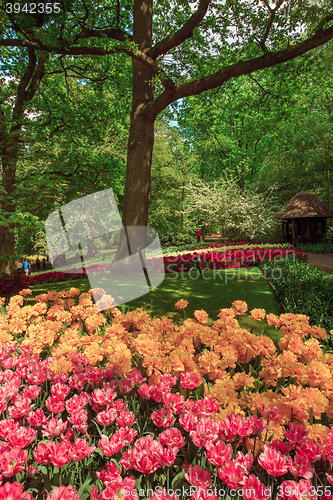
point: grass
(211, 294)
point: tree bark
(141, 136)
(7, 237)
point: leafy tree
(172, 166)
(74, 138)
(207, 44)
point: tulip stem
(168, 478)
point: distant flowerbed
(16, 282)
(231, 258)
(122, 406)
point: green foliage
(318, 248)
(187, 238)
(303, 289)
(271, 127)
(172, 165)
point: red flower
(81, 449)
(77, 382)
(61, 454)
(189, 380)
(197, 476)
(301, 466)
(155, 393)
(43, 452)
(63, 493)
(109, 447)
(12, 461)
(54, 427)
(273, 461)
(168, 456)
(205, 431)
(253, 488)
(172, 437)
(144, 391)
(245, 461)
(126, 419)
(22, 437)
(188, 421)
(106, 417)
(296, 434)
(173, 402)
(233, 426)
(232, 474)
(60, 391)
(206, 406)
(79, 420)
(218, 454)
(145, 462)
(54, 404)
(21, 407)
(76, 402)
(31, 391)
(310, 450)
(14, 491)
(163, 418)
(37, 418)
(8, 427)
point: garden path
(322, 260)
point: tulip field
(106, 405)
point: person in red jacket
(198, 235)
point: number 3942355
(33, 8)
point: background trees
(177, 50)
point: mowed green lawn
(218, 290)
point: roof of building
(304, 204)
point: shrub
(304, 289)
(318, 248)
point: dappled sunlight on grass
(216, 292)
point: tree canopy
(178, 49)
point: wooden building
(304, 219)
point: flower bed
(231, 258)
(241, 255)
(110, 405)
(16, 282)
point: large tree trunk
(7, 237)
(10, 149)
(141, 136)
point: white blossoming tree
(223, 207)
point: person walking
(198, 235)
(26, 267)
(38, 263)
(44, 263)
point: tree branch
(185, 32)
(110, 33)
(101, 51)
(195, 87)
(262, 88)
(21, 89)
(269, 25)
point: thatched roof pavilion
(304, 218)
